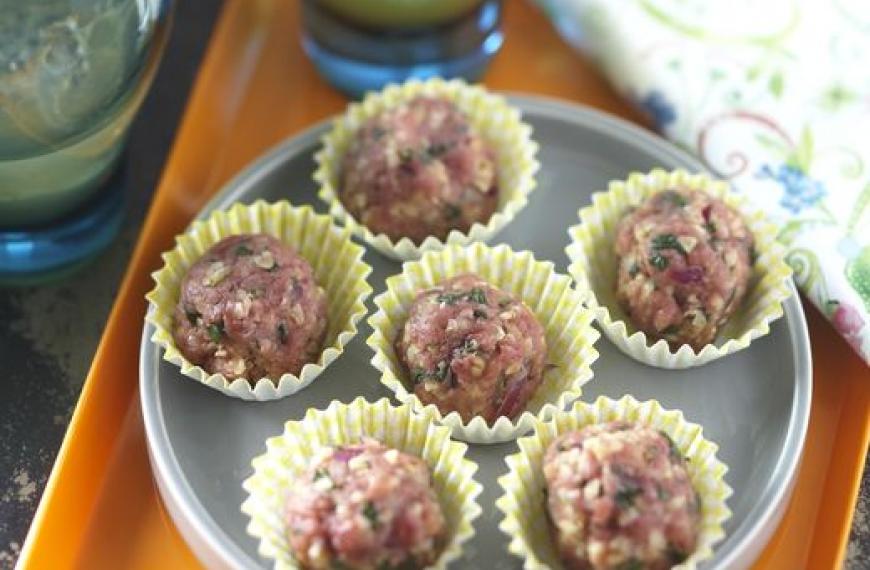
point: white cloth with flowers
(773, 96)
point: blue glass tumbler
(362, 45)
(73, 74)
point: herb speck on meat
(658, 261)
(371, 513)
(192, 317)
(215, 331)
(406, 155)
(477, 295)
(452, 212)
(667, 241)
(675, 198)
(626, 495)
(672, 446)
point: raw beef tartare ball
(619, 496)
(685, 259)
(471, 348)
(365, 506)
(250, 308)
(419, 170)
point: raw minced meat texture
(365, 506)
(471, 348)
(250, 308)
(419, 170)
(619, 496)
(685, 260)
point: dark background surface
(48, 335)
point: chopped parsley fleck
(410, 563)
(675, 554)
(321, 473)
(630, 564)
(441, 373)
(662, 494)
(243, 250)
(192, 316)
(452, 212)
(710, 227)
(371, 513)
(658, 261)
(449, 298)
(672, 446)
(282, 333)
(667, 241)
(671, 329)
(477, 296)
(633, 270)
(437, 149)
(215, 331)
(469, 346)
(674, 198)
(406, 155)
(626, 495)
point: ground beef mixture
(365, 506)
(619, 497)
(685, 259)
(250, 308)
(419, 170)
(471, 348)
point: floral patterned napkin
(773, 96)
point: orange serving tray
(101, 508)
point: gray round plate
(755, 404)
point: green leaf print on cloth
(767, 96)
(858, 274)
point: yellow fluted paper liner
(491, 117)
(559, 308)
(594, 265)
(523, 503)
(289, 454)
(335, 259)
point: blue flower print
(659, 109)
(799, 190)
